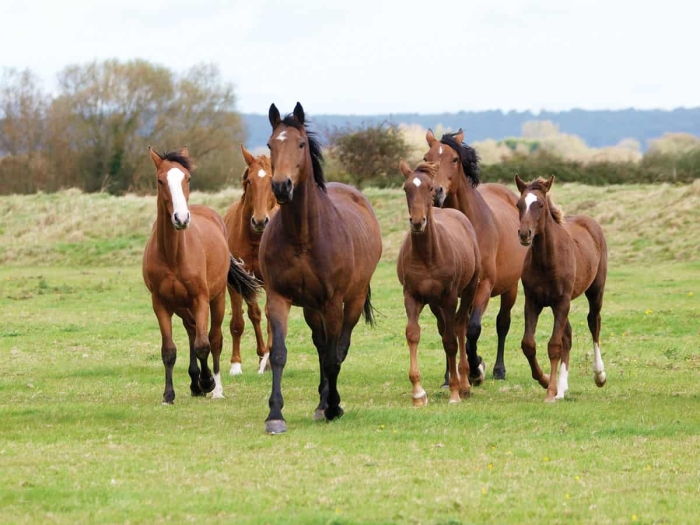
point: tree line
(94, 131)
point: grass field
(84, 438)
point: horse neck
(171, 242)
(470, 202)
(300, 216)
(425, 246)
(546, 244)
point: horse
(491, 210)
(245, 221)
(186, 267)
(438, 265)
(565, 258)
(318, 252)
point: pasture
(84, 437)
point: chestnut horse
(439, 266)
(491, 210)
(318, 252)
(245, 221)
(566, 258)
(186, 267)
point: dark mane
(467, 156)
(176, 156)
(314, 149)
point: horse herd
(316, 245)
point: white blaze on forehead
(282, 136)
(261, 173)
(175, 176)
(416, 182)
(529, 199)
(440, 150)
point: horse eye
(425, 159)
(455, 160)
(268, 146)
(301, 145)
(160, 182)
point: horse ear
(459, 136)
(548, 183)
(405, 169)
(249, 159)
(520, 184)
(430, 137)
(157, 160)
(299, 113)
(274, 116)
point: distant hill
(596, 128)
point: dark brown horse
(246, 220)
(439, 266)
(318, 252)
(566, 258)
(186, 267)
(491, 210)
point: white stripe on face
(282, 136)
(175, 176)
(440, 151)
(261, 173)
(416, 182)
(529, 199)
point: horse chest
(301, 282)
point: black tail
(368, 310)
(243, 282)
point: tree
(369, 153)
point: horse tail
(243, 282)
(368, 310)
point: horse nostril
(288, 183)
(267, 219)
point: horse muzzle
(259, 226)
(525, 237)
(418, 227)
(439, 197)
(283, 191)
(180, 222)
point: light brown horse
(246, 220)
(318, 252)
(438, 265)
(186, 267)
(491, 210)
(566, 258)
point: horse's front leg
(481, 302)
(413, 310)
(556, 344)
(532, 313)
(168, 351)
(278, 309)
(202, 346)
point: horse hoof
(453, 401)
(167, 403)
(549, 399)
(465, 394)
(332, 413)
(599, 379)
(421, 400)
(320, 414)
(208, 386)
(197, 393)
(217, 394)
(446, 384)
(499, 374)
(235, 370)
(275, 426)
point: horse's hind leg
(255, 316)
(502, 328)
(594, 294)
(168, 351)
(481, 301)
(449, 344)
(556, 344)
(216, 340)
(461, 320)
(193, 370)
(563, 376)
(334, 354)
(315, 321)
(236, 327)
(441, 330)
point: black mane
(314, 149)
(176, 156)
(467, 156)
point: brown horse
(318, 252)
(491, 210)
(186, 267)
(439, 266)
(245, 221)
(566, 258)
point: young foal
(438, 265)
(245, 221)
(318, 252)
(566, 258)
(186, 266)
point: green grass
(84, 438)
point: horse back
(590, 251)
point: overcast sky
(374, 56)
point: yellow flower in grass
(690, 294)
(545, 459)
(648, 311)
(634, 517)
(490, 466)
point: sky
(365, 57)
